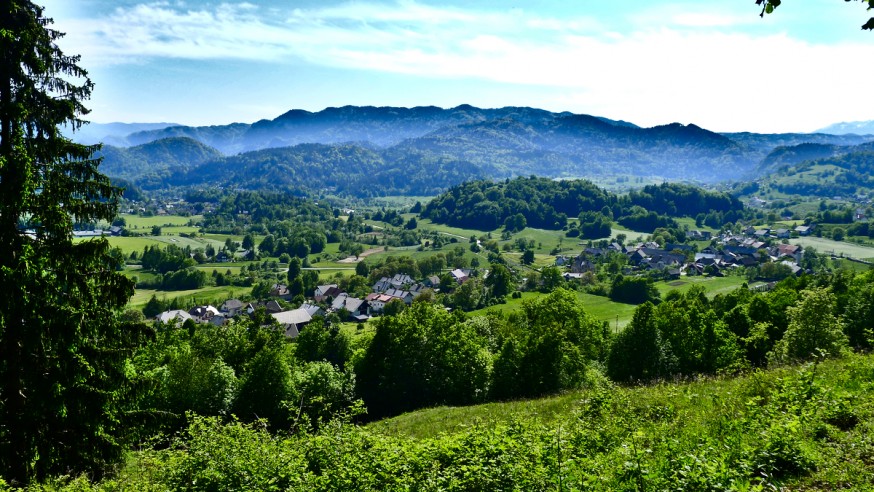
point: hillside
(381, 126)
(373, 151)
(156, 162)
(794, 428)
(845, 174)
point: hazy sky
(710, 62)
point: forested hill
(367, 151)
(152, 164)
(381, 126)
(843, 174)
(786, 156)
(348, 169)
(547, 204)
(580, 146)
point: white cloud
(732, 79)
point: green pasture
(206, 294)
(631, 236)
(602, 308)
(138, 222)
(824, 245)
(712, 285)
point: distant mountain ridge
(381, 126)
(366, 151)
(853, 127)
(111, 133)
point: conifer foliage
(62, 348)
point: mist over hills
(369, 151)
(853, 127)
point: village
(759, 253)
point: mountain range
(856, 127)
(366, 151)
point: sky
(714, 63)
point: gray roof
(293, 317)
(176, 315)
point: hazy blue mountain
(580, 145)
(221, 137)
(367, 151)
(380, 126)
(110, 133)
(854, 127)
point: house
(460, 275)
(378, 301)
(219, 320)
(312, 309)
(804, 230)
(202, 314)
(679, 247)
(762, 233)
(782, 233)
(357, 308)
(382, 285)
(433, 281)
(593, 252)
(700, 235)
(792, 250)
(694, 269)
(281, 291)
(796, 270)
(637, 257)
(582, 265)
(270, 307)
(292, 321)
(403, 295)
(232, 307)
(399, 281)
(562, 260)
(175, 316)
(323, 292)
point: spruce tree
(62, 346)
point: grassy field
(602, 308)
(135, 222)
(617, 313)
(713, 285)
(824, 245)
(693, 400)
(210, 294)
(138, 243)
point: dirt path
(363, 255)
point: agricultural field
(712, 285)
(213, 294)
(840, 248)
(137, 222)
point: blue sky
(714, 63)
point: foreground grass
(794, 428)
